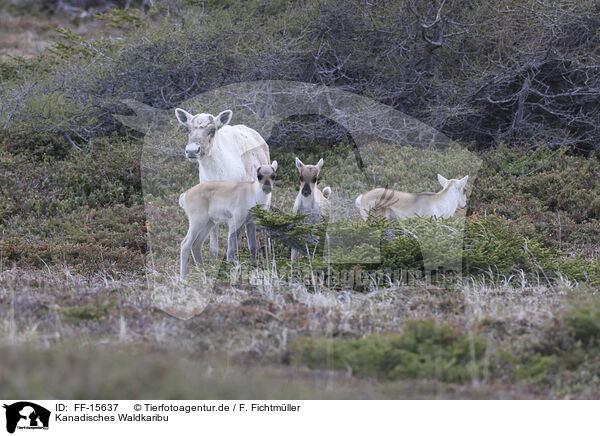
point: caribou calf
(398, 205)
(310, 200)
(209, 203)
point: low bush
(84, 211)
(425, 350)
(482, 244)
(544, 193)
(88, 241)
(564, 350)
(582, 321)
(80, 314)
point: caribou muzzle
(267, 188)
(194, 153)
(306, 190)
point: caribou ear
(274, 165)
(443, 181)
(183, 117)
(299, 164)
(463, 182)
(320, 164)
(223, 118)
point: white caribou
(398, 205)
(224, 153)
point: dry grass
(514, 301)
(235, 344)
(29, 36)
(37, 298)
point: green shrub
(582, 320)
(565, 347)
(88, 240)
(487, 244)
(545, 193)
(580, 268)
(92, 312)
(83, 211)
(491, 244)
(532, 368)
(29, 140)
(425, 350)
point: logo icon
(26, 415)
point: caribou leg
(214, 241)
(251, 236)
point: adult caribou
(224, 153)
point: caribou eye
(314, 180)
(211, 132)
(260, 177)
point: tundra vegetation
(514, 82)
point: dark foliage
(478, 71)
